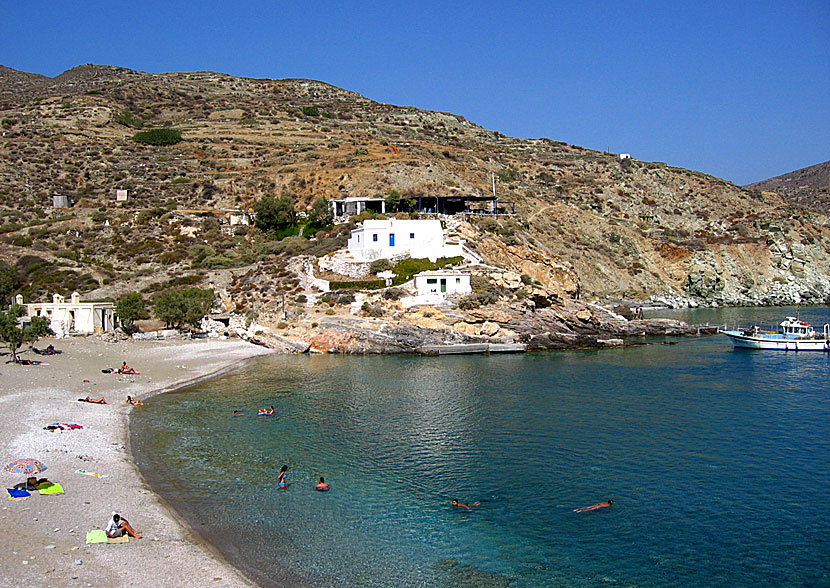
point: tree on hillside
(7, 284)
(396, 202)
(184, 307)
(273, 214)
(130, 308)
(320, 213)
(15, 333)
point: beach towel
(93, 474)
(96, 536)
(15, 494)
(121, 539)
(50, 488)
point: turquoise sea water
(718, 462)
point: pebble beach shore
(43, 538)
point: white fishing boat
(793, 335)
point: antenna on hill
(494, 184)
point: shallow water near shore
(718, 462)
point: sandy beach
(43, 538)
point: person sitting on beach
(467, 506)
(118, 526)
(93, 400)
(596, 506)
(282, 482)
(322, 486)
(50, 350)
(125, 369)
(134, 401)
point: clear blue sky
(740, 90)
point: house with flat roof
(73, 317)
(390, 238)
(443, 282)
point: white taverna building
(73, 317)
(389, 238)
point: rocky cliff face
(588, 225)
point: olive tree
(15, 332)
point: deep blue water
(718, 462)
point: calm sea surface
(718, 462)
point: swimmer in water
(281, 479)
(596, 506)
(467, 506)
(322, 486)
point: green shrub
(158, 137)
(380, 265)
(311, 111)
(358, 285)
(126, 118)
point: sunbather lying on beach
(134, 401)
(93, 400)
(118, 526)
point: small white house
(74, 317)
(388, 238)
(443, 282)
(121, 195)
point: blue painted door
(391, 239)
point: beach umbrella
(28, 467)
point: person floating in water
(266, 411)
(282, 483)
(596, 506)
(322, 486)
(467, 506)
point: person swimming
(463, 505)
(266, 411)
(596, 506)
(322, 486)
(282, 482)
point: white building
(74, 317)
(389, 238)
(443, 282)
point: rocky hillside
(808, 187)
(589, 226)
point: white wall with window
(379, 239)
(443, 283)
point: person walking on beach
(596, 506)
(282, 483)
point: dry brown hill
(587, 223)
(809, 186)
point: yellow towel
(121, 539)
(50, 488)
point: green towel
(51, 488)
(96, 536)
